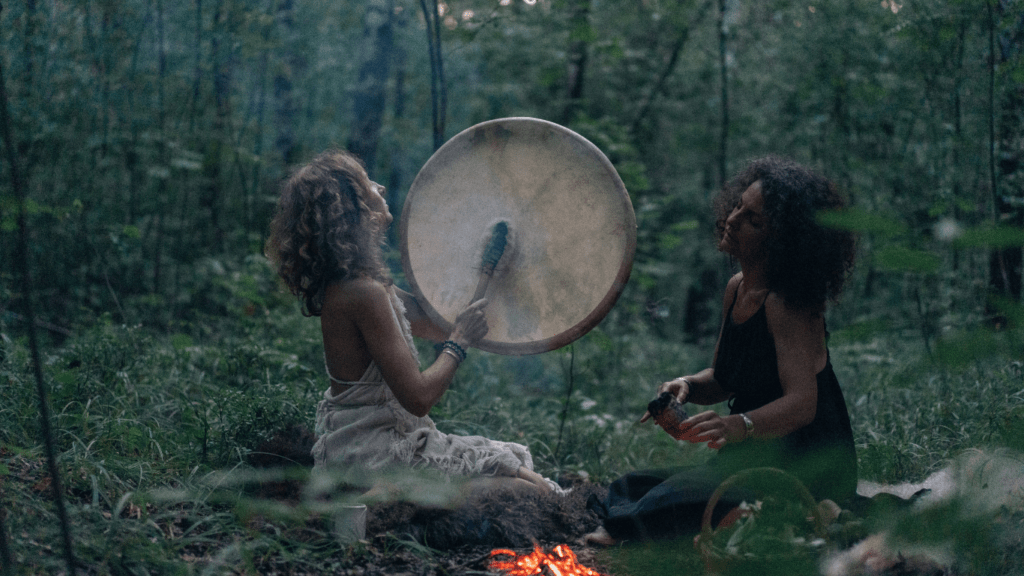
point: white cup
(350, 523)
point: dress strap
(399, 313)
(735, 296)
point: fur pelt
(500, 517)
(288, 447)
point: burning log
(561, 561)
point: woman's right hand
(470, 324)
(680, 388)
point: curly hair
(323, 231)
(808, 263)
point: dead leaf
(42, 485)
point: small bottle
(668, 413)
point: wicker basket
(768, 482)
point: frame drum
(571, 233)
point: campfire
(561, 561)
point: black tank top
(822, 453)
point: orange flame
(561, 561)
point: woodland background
(153, 135)
(145, 141)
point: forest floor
(406, 538)
(409, 539)
(159, 440)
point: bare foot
(534, 479)
(480, 486)
(381, 491)
(600, 537)
(828, 511)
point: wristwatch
(749, 424)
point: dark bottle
(668, 413)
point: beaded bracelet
(453, 354)
(451, 345)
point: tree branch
(670, 66)
(26, 284)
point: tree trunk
(210, 197)
(724, 74)
(131, 155)
(28, 79)
(1006, 154)
(197, 68)
(261, 107)
(396, 155)
(161, 203)
(286, 109)
(666, 72)
(438, 90)
(22, 257)
(374, 69)
(580, 33)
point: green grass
(911, 415)
(677, 556)
(153, 430)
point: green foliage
(119, 391)
(991, 237)
(960, 349)
(155, 430)
(658, 558)
(912, 414)
(901, 258)
(183, 140)
(863, 222)
(136, 413)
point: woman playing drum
(326, 244)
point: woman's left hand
(709, 427)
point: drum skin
(571, 238)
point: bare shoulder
(799, 335)
(355, 296)
(785, 319)
(734, 282)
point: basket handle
(776, 475)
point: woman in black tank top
(771, 365)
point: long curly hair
(808, 263)
(323, 231)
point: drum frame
(571, 333)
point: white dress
(366, 428)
